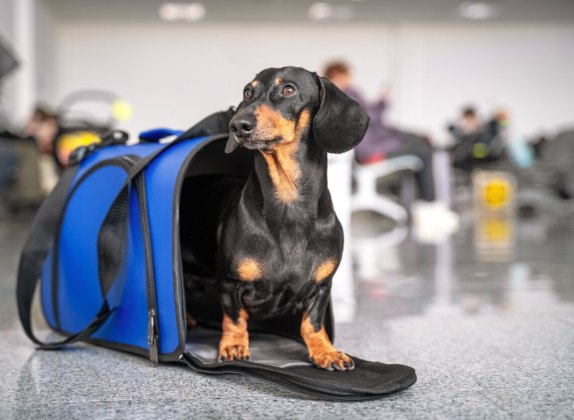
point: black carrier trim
(178, 287)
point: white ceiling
(247, 11)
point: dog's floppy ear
(340, 123)
(231, 144)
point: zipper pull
(152, 337)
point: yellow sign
(496, 193)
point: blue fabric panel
(91, 160)
(160, 192)
(79, 292)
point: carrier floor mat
(284, 361)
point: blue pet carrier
(106, 247)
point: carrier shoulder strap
(34, 253)
(44, 229)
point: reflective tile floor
(486, 318)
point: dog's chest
(283, 285)
(281, 275)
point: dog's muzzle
(241, 128)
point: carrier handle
(44, 231)
(157, 134)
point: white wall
(525, 68)
(8, 33)
(175, 74)
(7, 20)
(45, 44)
(28, 26)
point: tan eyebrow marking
(278, 80)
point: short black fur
(288, 235)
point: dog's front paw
(229, 351)
(334, 360)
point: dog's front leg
(321, 351)
(234, 343)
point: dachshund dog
(279, 241)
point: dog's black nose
(242, 127)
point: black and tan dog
(278, 241)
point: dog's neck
(290, 180)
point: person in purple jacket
(382, 142)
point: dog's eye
(247, 93)
(288, 90)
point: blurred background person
(27, 163)
(384, 142)
(42, 126)
(469, 121)
(479, 142)
(8, 165)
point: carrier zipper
(152, 337)
(153, 319)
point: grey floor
(486, 318)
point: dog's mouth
(253, 143)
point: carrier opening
(210, 180)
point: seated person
(477, 142)
(42, 126)
(8, 164)
(381, 142)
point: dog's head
(281, 106)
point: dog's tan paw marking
(234, 343)
(335, 360)
(230, 351)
